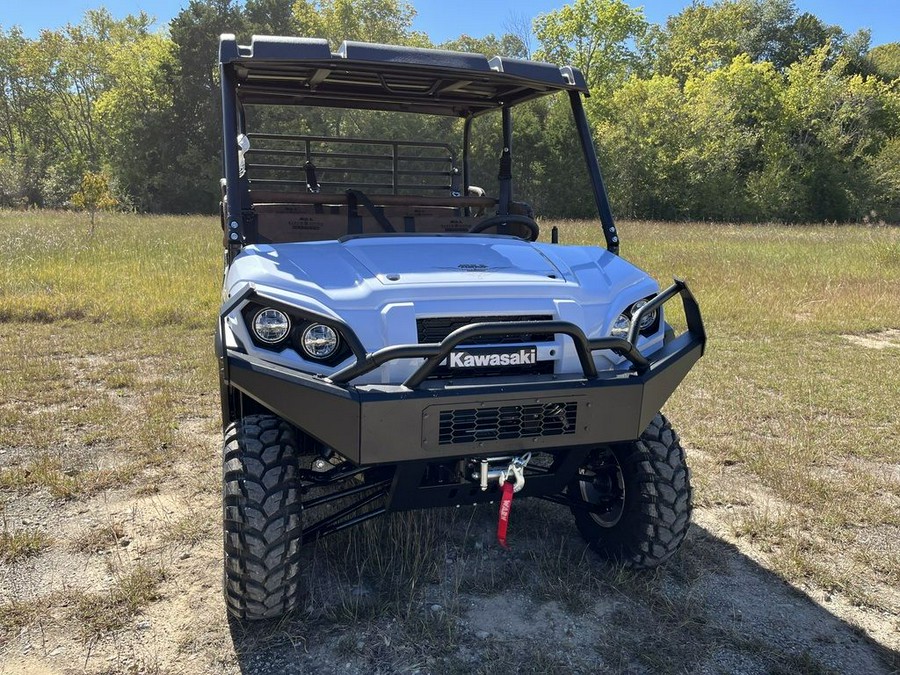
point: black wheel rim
(602, 488)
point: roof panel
(413, 56)
(387, 77)
(271, 48)
(529, 70)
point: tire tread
(262, 520)
(658, 518)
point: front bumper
(376, 424)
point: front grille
(437, 328)
(509, 422)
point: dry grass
(190, 529)
(15, 613)
(791, 430)
(53, 272)
(95, 539)
(107, 611)
(22, 543)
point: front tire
(632, 501)
(261, 518)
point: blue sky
(444, 19)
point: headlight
(620, 326)
(648, 319)
(320, 341)
(271, 325)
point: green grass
(105, 345)
(136, 270)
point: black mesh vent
(470, 425)
(436, 329)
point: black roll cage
(304, 71)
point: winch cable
(511, 481)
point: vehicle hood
(481, 272)
(451, 260)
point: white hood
(452, 260)
(332, 271)
(379, 285)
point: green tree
(49, 90)
(704, 37)
(700, 38)
(642, 145)
(94, 195)
(12, 183)
(736, 120)
(13, 92)
(596, 36)
(385, 21)
(489, 45)
(733, 109)
(885, 172)
(134, 112)
(17, 142)
(190, 145)
(884, 61)
(271, 17)
(839, 123)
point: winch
(513, 469)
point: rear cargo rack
(285, 161)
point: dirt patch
(886, 339)
(470, 607)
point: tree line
(742, 110)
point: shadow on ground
(431, 592)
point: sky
(446, 19)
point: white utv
(394, 338)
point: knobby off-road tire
(261, 517)
(654, 512)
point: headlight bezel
(620, 326)
(294, 338)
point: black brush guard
(373, 424)
(392, 436)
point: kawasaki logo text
(485, 359)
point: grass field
(109, 478)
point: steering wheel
(482, 225)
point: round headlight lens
(648, 319)
(620, 326)
(320, 341)
(271, 325)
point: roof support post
(505, 174)
(467, 136)
(234, 226)
(590, 157)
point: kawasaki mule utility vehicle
(393, 337)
